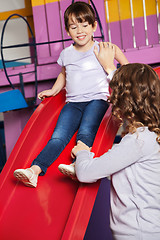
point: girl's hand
(79, 147)
(47, 93)
(106, 55)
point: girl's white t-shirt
(86, 79)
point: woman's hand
(79, 147)
(106, 55)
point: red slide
(58, 208)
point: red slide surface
(58, 208)
(157, 69)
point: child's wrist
(110, 68)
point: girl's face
(81, 33)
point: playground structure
(58, 208)
(135, 29)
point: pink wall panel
(127, 36)
(116, 34)
(148, 55)
(44, 72)
(99, 4)
(63, 6)
(41, 33)
(122, 32)
(54, 28)
(139, 32)
(152, 29)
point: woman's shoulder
(142, 133)
(144, 138)
(145, 133)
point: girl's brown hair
(135, 97)
(81, 11)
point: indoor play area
(32, 36)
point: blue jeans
(82, 116)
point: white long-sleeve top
(134, 166)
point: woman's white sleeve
(89, 169)
(111, 74)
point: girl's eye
(73, 27)
(85, 25)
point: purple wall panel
(115, 34)
(127, 35)
(152, 29)
(99, 4)
(14, 122)
(139, 32)
(63, 6)
(44, 72)
(147, 55)
(54, 28)
(99, 223)
(41, 34)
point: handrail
(27, 44)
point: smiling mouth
(81, 37)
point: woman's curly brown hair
(135, 97)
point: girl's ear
(95, 26)
(67, 33)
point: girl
(134, 163)
(87, 90)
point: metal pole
(120, 25)
(108, 25)
(133, 29)
(145, 22)
(158, 20)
